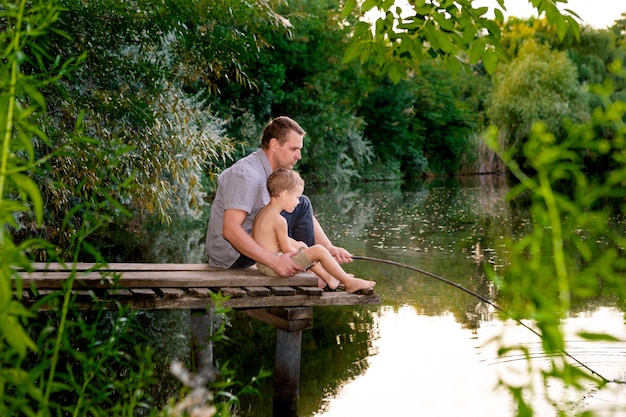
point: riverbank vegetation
(171, 93)
(112, 110)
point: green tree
(538, 85)
(619, 30)
(423, 124)
(446, 114)
(389, 110)
(593, 51)
(30, 379)
(317, 90)
(63, 364)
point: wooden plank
(258, 291)
(184, 286)
(24, 295)
(268, 317)
(125, 266)
(200, 292)
(282, 291)
(143, 293)
(171, 292)
(166, 279)
(233, 292)
(188, 302)
(83, 295)
(292, 313)
(310, 291)
(119, 292)
(300, 300)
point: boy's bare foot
(333, 283)
(360, 285)
(329, 283)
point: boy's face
(292, 198)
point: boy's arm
(246, 245)
(279, 227)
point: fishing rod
(480, 297)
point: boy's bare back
(268, 225)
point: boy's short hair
(279, 128)
(283, 179)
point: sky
(597, 13)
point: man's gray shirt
(243, 186)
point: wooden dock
(286, 303)
(144, 286)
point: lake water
(428, 348)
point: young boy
(270, 231)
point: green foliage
(59, 362)
(593, 51)
(592, 54)
(555, 263)
(445, 115)
(131, 96)
(141, 95)
(27, 389)
(423, 123)
(389, 110)
(538, 85)
(90, 372)
(20, 100)
(318, 91)
(619, 30)
(445, 29)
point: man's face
(288, 154)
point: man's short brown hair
(279, 128)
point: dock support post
(290, 322)
(201, 323)
(287, 373)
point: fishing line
(480, 297)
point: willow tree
(140, 96)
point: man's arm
(340, 254)
(246, 245)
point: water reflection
(430, 333)
(426, 350)
(430, 365)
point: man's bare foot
(359, 285)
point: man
(242, 192)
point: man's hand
(285, 267)
(341, 255)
